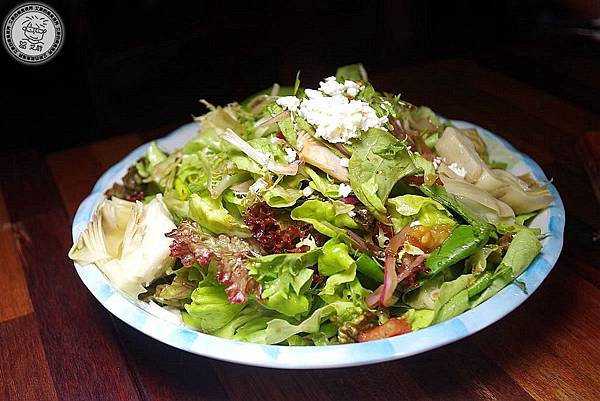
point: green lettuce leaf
(418, 319)
(408, 208)
(378, 161)
(320, 183)
(352, 72)
(328, 218)
(285, 279)
(523, 249)
(278, 196)
(211, 214)
(279, 330)
(175, 294)
(249, 325)
(209, 309)
(453, 298)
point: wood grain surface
(58, 343)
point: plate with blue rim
(148, 320)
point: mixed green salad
(316, 216)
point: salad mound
(316, 216)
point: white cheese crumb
(415, 223)
(338, 119)
(313, 94)
(258, 185)
(308, 191)
(330, 86)
(382, 240)
(351, 213)
(344, 162)
(458, 170)
(352, 88)
(289, 102)
(344, 190)
(290, 155)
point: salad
(316, 216)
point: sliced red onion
(343, 150)
(417, 261)
(372, 300)
(351, 200)
(390, 277)
(358, 242)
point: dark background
(129, 66)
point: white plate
(138, 315)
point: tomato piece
(393, 327)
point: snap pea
(482, 282)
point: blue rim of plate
(137, 315)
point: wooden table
(58, 343)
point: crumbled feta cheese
(351, 213)
(338, 119)
(258, 185)
(344, 161)
(352, 88)
(344, 190)
(289, 102)
(330, 86)
(290, 154)
(458, 170)
(308, 191)
(313, 94)
(415, 223)
(382, 240)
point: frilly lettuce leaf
(328, 218)
(337, 265)
(278, 330)
(334, 258)
(284, 279)
(209, 309)
(249, 325)
(211, 214)
(153, 156)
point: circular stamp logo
(33, 33)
